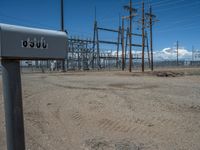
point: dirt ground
(109, 111)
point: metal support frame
(97, 42)
(80, 54)
(12, 93)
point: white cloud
(171, 54)
(165, 54)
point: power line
(186, 18)
(167, 3)
(177, 7)
(179, 29)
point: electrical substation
(66, 92)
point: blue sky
(179, 19)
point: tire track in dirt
(135, 125)
(78, 119)
(56, 115)
(166, 122)
(38, 119)
(126, 127)
(96, 106)
(35, 121)
(113, 126)
(75, 88)
(118, 86)
(35, 116)
(33, 142)
(142, 126)
(119, 144)
(29, 94)
(132, 86)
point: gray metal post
(13, 104)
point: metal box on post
(18, 42)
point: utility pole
(122, 41)
(130, 37)
(131, 11)
(98, 52)
(147, 45)
(177, 47)
(151, 21)
(118, 44)
(94, 40)
(192, 53)
(126, 47)
(143, 36)
(151, 38)
(62, 28)
(118, 41)
(62, 15)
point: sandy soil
(109, 111)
